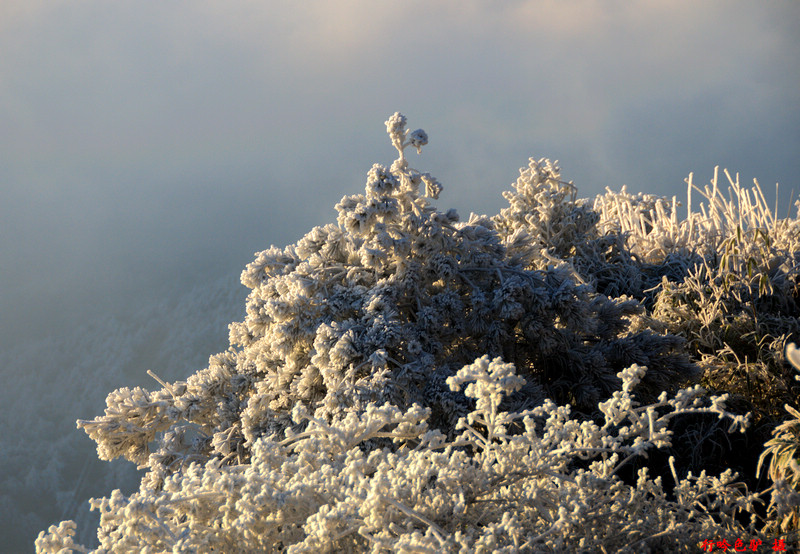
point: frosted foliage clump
(381, 307)
(506, 482)
(407, 381)
(546, 209)
(655, 231)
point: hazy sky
(154, 144)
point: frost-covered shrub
(546, 209)
(382, 307)
(336, 420)
(739, 307)
(621, 244)
(641, 243)
(487, 490)
(725, 278)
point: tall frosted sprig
(401, 137)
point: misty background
(147, 150)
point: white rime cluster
(382, 307)
(404, 381)
(487, 490)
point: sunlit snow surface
(50, 468)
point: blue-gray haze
(148, 149)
